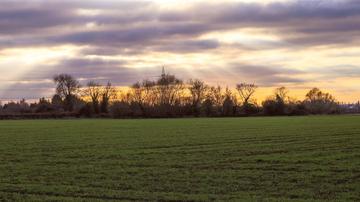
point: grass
(222, 159)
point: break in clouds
(291, 43)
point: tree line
(169, 96)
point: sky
(299, 44)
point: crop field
(315, 158)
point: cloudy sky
(299, 44)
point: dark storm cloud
(85, 69)
(275, 75)
(189, 46)
(286, 11)
(130, 35)
(140, 22)
(268, 75)
(20, 17)
(38, 83)
(305, 23)
(20, 21)
(28, 90)
(92, 69)
(253, 70)
(280, 80)
(111, 51)
(338, 71)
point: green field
(221, 159)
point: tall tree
(108, 92)
(228, 103)
(277, 104)
(215, 98)
(67, 87)
(246, 91)
(197, 90)
(169, 89)
(316, 95)
(282, 94)
(318, 102)
(216, 95)
(93, 90)
(142, 94)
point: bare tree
(169, 89)
(228, 103)
(197, 90)
(108, 92)
(94, 90)
(282, 94)
(213, 103)
(142, 93)
(216, 95)
(67, 87)
(246, 91)
(137, 93)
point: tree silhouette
(108, 92)
(67, 87)
(198, 90)
(246, 91)
(94, 90)
(318, 102)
